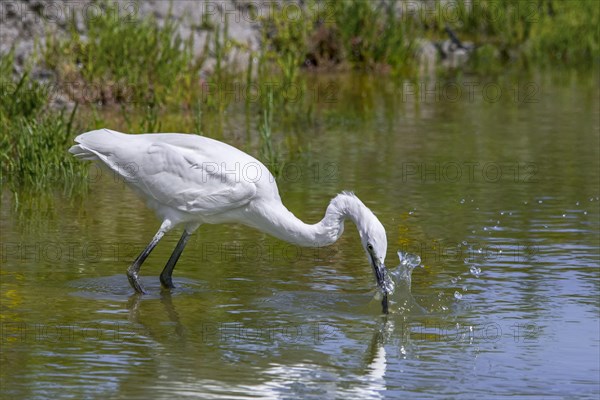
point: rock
(23, 22)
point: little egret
(193, 180)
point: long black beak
(381, 278)
(380, 273)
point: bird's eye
(370, 246)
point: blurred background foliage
(145, 72)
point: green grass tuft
(34, 142)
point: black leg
(134, 268)
(165, 276)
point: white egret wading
(193, 180)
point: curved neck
(278, 221)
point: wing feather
(186, 180)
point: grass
(532, 31)
(130, 60)
(34, 140)
(566, 33)
(269, 155)
(350, 34)
(142, 69)
(373, 36)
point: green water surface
(493, 183)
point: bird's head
(371, 231)
(374, 241)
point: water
(498, 199)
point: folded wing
(186, 180)
(186, 172)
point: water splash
(475, 271)
(402, 274)
(388, 284)
(408, 259)
(399, 279)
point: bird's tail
(95, 145)
(82, 153)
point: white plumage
(193, 180)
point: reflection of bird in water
(133, 305)
(282, 375)
(194, 180)
(376, 354)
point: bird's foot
(134, 282)
(166, 281)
